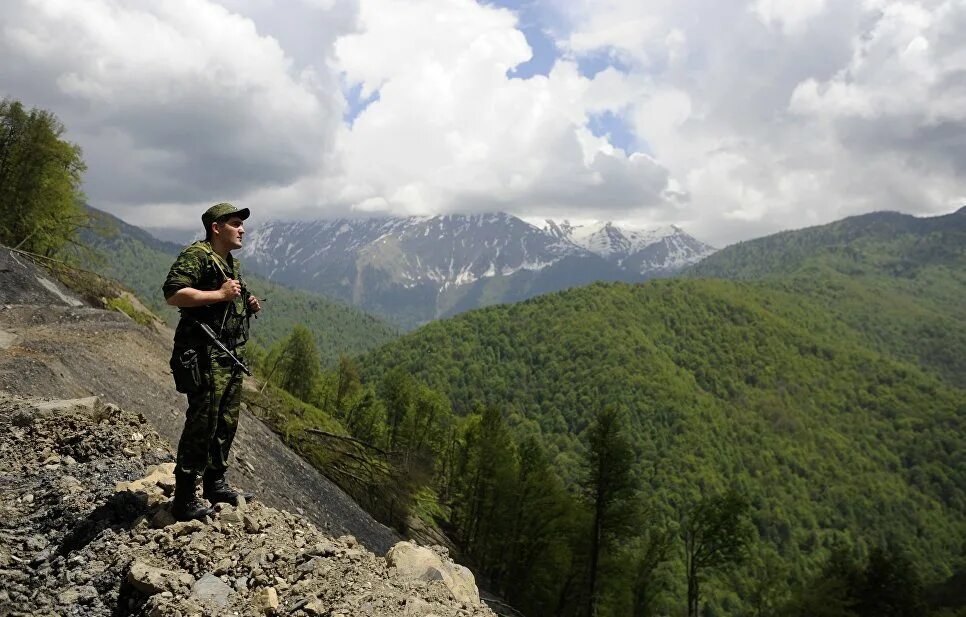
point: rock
(240, 504)
(223, 566)
(310, 565)
(230, 516)
(22, 418)
(35, 543)
(251, 525)
(185, 527)
(150, 580)
(417, 606)
(91, 403)
(212, 590)
(419, 563)
(349, 541)
(158, 476)
(315, 607)
(265, 601)
(324, 549)
(162, 518)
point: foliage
(886, 584)
(40, 176)
(726, 384)
(608, 486)
(125, 304)
(299, 363)
(896, 280)
(716, 532)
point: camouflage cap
(218, 211)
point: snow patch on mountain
(383, 263)
(644, 251)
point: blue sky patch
(617, 131)
(534, 21)
(544, 54)
(590, 64)
(356, 103)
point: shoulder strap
(216, 259)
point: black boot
(217, 490)
(186, 504)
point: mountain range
(416, 269)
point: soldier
(205, 284)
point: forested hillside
(898, 280)
(723, 386)
(132, 256)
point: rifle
(217, 343)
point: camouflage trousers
(211, 419)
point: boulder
(265, 601)
(160, 476)
(150, 580)
(419, 563)
(212, 590)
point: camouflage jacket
(199, 267)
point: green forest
(803, 416)
(778, 432)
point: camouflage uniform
(212, 415)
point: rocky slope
(85, 530)
(53, 345)
(77, 538)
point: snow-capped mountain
(418, 268)
(644, 251)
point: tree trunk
(692, 592)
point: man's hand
(254, 304)
(230, 289)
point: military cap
(218, 211)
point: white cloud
(451, 131)
(751, 116)
(179, 100)
(774, 114)
(792, 16)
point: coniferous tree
(300, 364)
(609, 489)
(349, 383)
(397, 390)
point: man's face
(230, 232)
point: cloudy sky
(732, 118)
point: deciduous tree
(40, 176)
(716, 533)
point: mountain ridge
(431, 266)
